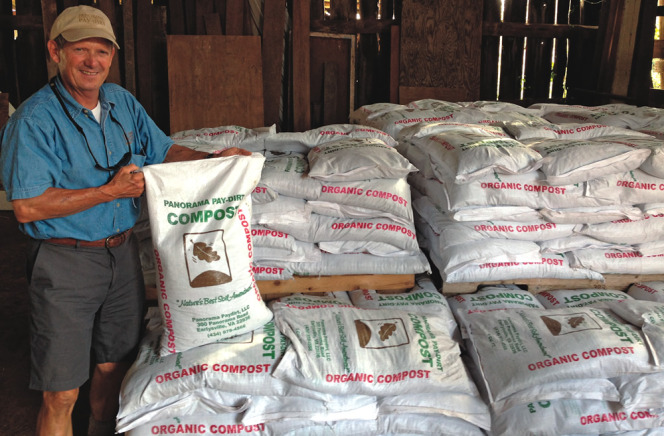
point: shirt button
(118, 204)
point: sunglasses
(124, 160)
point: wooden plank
(212, 81)
(213, 24)
(640, 80)
(490, 52)
(394, 64)
(4, 108)
(273, 40)
(301, 66)
(203, 8)
(441, 45)
(270, 289)
(611, 281)
(108, 7)
(537, 30)
(176, 17)
(365, 25)
(234, 17)
(49, 13)
(626, 44)
(144, 54)
(128, 46)
(330, 93)
(412, 93)
(383, 282)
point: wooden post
(301, 67)
(274, 22)
(49, 14)
(128, 46)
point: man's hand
(234, 151)
(128, 182)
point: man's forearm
(56, 203)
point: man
(70, 160)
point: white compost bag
(648, 228)
(425, 424)
(357, 159)
(302, 142)
(366, 247)
(558, 298)
(470, 408)
(548, 345)
(462, 156)
(591, 215)
(640, 390)
(570, 131)
(648, 315)
(491, 298)
(654, 164)
(651, 291)
(347, 350)
(386, 195)
(579, 242)
(358, 263)
(527, 189)
(242, 365)
(217, 139)
(423, 298)
(616, 261)
(566, 162)
(368, 111)
(552, 266)
(574, 417)
(265, 271)
(283, 210)
(287, 175)
(200, 218)
(615, 114)
(631, 187)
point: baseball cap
(80, 22)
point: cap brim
(80, 34)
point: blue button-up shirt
(41, 148)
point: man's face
(84, 65)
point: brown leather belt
(110, 242)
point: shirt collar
(75, 108)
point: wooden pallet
(611, 281)
(271, 289)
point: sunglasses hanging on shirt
(124, 160)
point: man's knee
(60, 400)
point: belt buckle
(107, 241)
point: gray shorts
(82, 299)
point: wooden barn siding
(387, 56)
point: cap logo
(90, 19)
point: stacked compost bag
(566, 362)
(505, 192)
(359, 363)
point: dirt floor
(18, 413)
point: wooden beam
(108, 8)
(626, 47)
(274, 22)
(365, 25)
(234, 17)
(49, 14)
(301, 66)
(619, 282)
(537, 30)
(213, 24)
(394, 64)
(658, 49)
(128, 47)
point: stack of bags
(504, 193)
(340, 205)
(578, 368)
(359, 363)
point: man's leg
(54, 417)
(105, 390)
